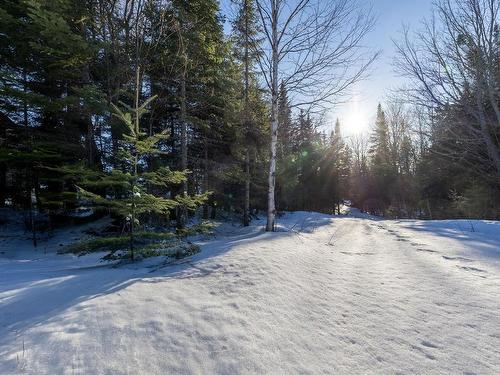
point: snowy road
(324, 296)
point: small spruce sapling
(127, 189)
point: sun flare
(354, 117)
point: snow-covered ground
(331, 295)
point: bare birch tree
(314, 48)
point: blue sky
(358, 114)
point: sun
(354, 119)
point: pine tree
(307, 167)
(285, 124)
(246, 31)
(339, 157)
(196, 59)
(287, 154)
(44, 101)
(127, 192)
(379, 139)
(381, 168)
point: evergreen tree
(381, 168)
(245, 31)
(286, 127)
(379, 139)
(340, 159)
(287, 154)
(128, 191)
(197, 62)
(45, 99)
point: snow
(324, 294)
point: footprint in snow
(234, 305)
(426, 250)
(429, 344)
(458, 258)
(472, 269)
(422, 351)
(350, 253)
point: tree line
(436, 149)
(147, 109)
(433, 149)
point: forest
(249, 187)
(156, 112)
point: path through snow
(345, 295)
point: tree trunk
(271, 205)
(136, 161)
(3, 184)
(181, 210)
(3, 166)
(91, 145)
(29, 170)
(246, 215)
(183, 128)
(205, 178)
(246, 208)
(429, 208)
(491, 147)
(213, 213)
(32, 221)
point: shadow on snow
(33, 293)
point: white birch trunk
(271, 204)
